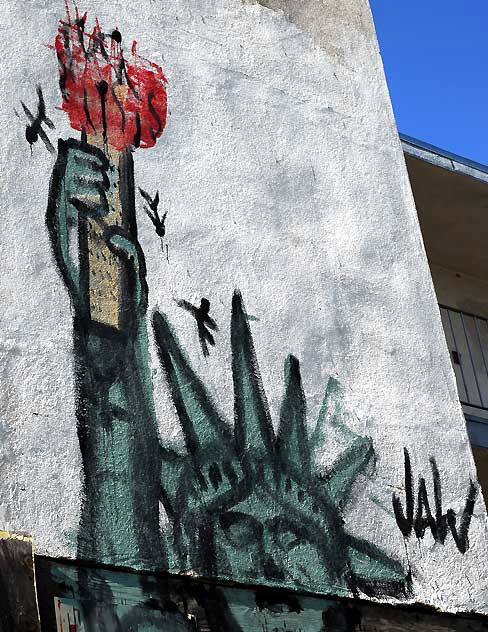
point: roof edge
(442, 158)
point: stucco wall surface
(283, 177)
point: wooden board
(18, 602)
(97, 599)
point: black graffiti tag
(422, 517)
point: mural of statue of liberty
(242, 501)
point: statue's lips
(103, 93)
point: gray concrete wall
(282, 174)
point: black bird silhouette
(159, 223)
(152, 212)
(34, 130)
(204, 322)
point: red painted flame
(105, 94)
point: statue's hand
(82, 183)
(86, 179)
(78, 189)
(130, 252)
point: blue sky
(436, 62)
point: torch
(118, 104)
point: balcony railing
(467, 340)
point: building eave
(444, 159)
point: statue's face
(276, 548)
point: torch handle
(106, 271)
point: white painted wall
(283, 175)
